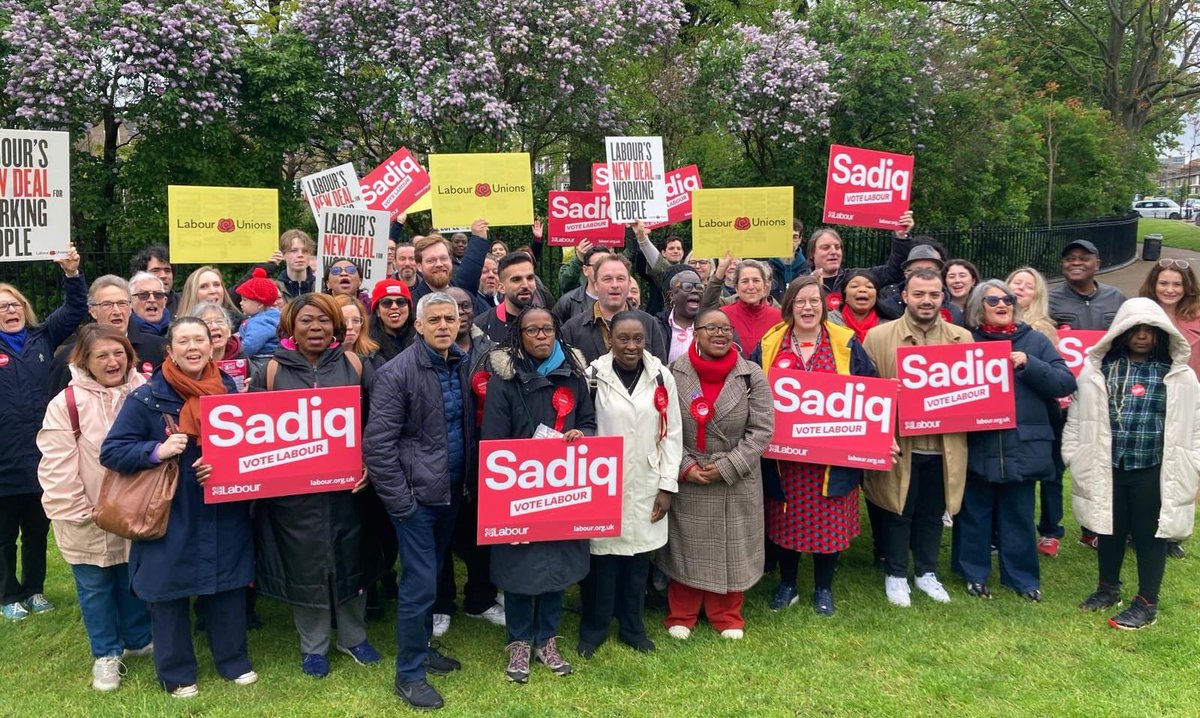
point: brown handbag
(136, 506)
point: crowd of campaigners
(462, 342)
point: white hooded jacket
(1087, 439)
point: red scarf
(190, 390)
(993, 329)
(712, 372)
(860, 328)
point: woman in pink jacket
(103, 373)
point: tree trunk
(112, 127)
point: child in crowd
(260, 328)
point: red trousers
(724, 610)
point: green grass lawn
(1176, 233)
(1003, 657)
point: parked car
(1158, 208)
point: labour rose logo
(225, 224)
(483, 189)
(741, 224)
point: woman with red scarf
(857, 312)
(811, 508)
(714, 549)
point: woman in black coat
(310, 545)
(532, 366)
(1003, 467)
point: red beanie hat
(259, 288)
(390, 288)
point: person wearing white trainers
(927, 479)
(103, 370)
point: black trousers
(379, 548)
(920, 525)
(824, 566)
(225, 624)
(1137, 498)
(479, 593)
(615, 587)
(22, 515)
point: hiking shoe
(494, 615)
(680, 632)
(441, 624)
(932, 587)
(419, 695)
(38, 603)
(364, 654)
(247, 678)
(733, 634)
(784, 596)
(549, 655)
(15, 611)
(1175, 550)
(518, 662)
(978, 590)
(1141, 613)
(1089, 539)
(185, 691)
(439, 664)
(106, 673)
(823, 602)
(1048, 546)
(143, 652)
(897, 591)
(1105, 596)
(1033, 595)
(314, 664)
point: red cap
(390, 288)
(259, 288)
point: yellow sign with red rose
(222, 225)
(496, 187)
(747, 222)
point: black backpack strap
(592, 382)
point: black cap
(1082, 244)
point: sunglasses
(335, 271)
(389, 302)
(143, 296)
(994, 301)
(1168, 263)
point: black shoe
(419, 695)
(584, 649)
(640, 644)
(1105, 596)
(440, 665)
(1174, 550)
(979, 590)
(823, 602)
(881, 564)
(1141, 613)
(253, 622)
(1033, 595)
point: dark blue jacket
(208, 548)
(405, 444)
(465, 276)
(25, 390)
(1023, 453)
(783, 274)
(296, 288)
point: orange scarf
(191, 390)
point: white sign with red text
(637, 185)
(949, 388)
(334, 187)
(355, 235)
(35, 195)
(867, 188)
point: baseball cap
(1081, 244)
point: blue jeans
(423, 539)
(533, 618)
(114, 618)
(1009, 507)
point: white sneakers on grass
(494, 615)
(106, 673)
(679, 632)
(733, 634)
(441, 624)
(897, 591)
(932, 587)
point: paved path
(1130, 277)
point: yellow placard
(222, 225)
(495, 187)
(423, 204)
(751, 222)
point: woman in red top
(752, 314)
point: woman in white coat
(635, 398)
(1132, 446)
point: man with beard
(519, 283)
(683, 300)
(406, 264)
(150, 313)
(927, 480)
(489, 294)
(434, 258)
(589, 332)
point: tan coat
(716, 530)
(70, 472)
(889, 489)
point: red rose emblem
(833, 301)
(225, 224)
(3, 360)
(741, 224)
(483, 189)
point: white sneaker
(494, 616)
(933, 588)
(680, 632)
(185, 691)
(500, 598)
(897, 591)
(106, 673)
(733, 634)
(246, 678)
(441, 624)
(144, 651)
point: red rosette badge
(741, 224)
(479, 382)
(483, 189)
(225, 224)
(702, 411)
(833, 301)
(661, 402)
(563, 402)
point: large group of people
(462, 342)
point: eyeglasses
(335, 271)
(801, 303)
(1166, 263)
(389, 302)
(994, 301)
(463, 306)
(717, 329)
(143, 296)
(699, 263)
(689, 286)
(215, 323)
(5, 306)
(108, 306)
(538, 331)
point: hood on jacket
(1140, 310)
(81, 379)
(502, 364)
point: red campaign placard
(867, 188)
(281, 443)
(549, 490)
(823, 418)
(600, 177)
(680, 184)
(576, 216)
(1074, 344)
(395, 185)
(237, 369)
(948, 388)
